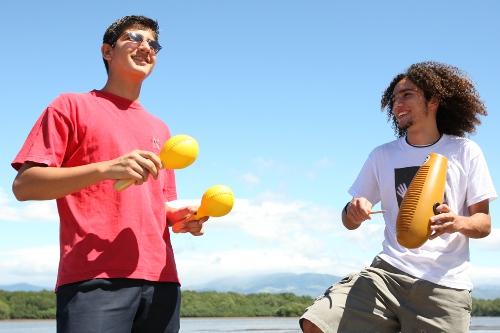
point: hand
(182, 220)
(136, 165)
(446, 222)
(358, 210)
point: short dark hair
(116, 29)
(459, 103)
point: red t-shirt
(105, 233)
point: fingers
(152, 162)
(137, 165)
(359, 210)
(193, 227)
(444, 222)
(439, 229)
(443, 208)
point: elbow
(18, 190)
(485, 229)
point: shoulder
(67, 101)
(464, 146)
(386, 148)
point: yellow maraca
(217, 201)
(178, 152)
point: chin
(141, 73)
(405, 126)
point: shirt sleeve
(47, 141)
(366, 184)
(480, 185)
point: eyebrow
(405, 90)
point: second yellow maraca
(218, 200)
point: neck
(128, 89)
(423, 138)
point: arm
(38, 182)
(356, 212)
(477, 225)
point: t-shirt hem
(455, 284)
(116, 275)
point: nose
(144, 45)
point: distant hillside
(22, 287)
(486, 291)
(309, 284)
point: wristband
(346, 206)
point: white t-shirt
(386, 175)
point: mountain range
(307, 284)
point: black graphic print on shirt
(402, 180)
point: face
(409, 105)
(133, 55)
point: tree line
(42, 305)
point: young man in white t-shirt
(427, 289)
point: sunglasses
(138, 38)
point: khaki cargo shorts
(382, 298)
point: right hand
(136, 165)
(358, 210)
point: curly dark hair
(459, 102)
(116, 29)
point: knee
(308, 327)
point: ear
(107, 51)
(433, 104)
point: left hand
(183, 219)
(445, 222)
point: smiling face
(132, 56)
(409, 106)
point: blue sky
(283, 98)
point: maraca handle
(176, 227)
(198, 215)
(122, 184)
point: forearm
(477, 225)
(46, 183)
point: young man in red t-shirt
(117, 270)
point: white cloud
(265, 163)
(199, 267)
(34, 265)
(251, 179)
(7, 212)
(265, 235)
(485, 275)
(491, 242)
(26, 211)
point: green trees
(486, 307)
(42, 305)
(214, 304)
(27, 305)
(4, 310)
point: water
(226, 325)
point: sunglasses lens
(135, 37)
(154, 45)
